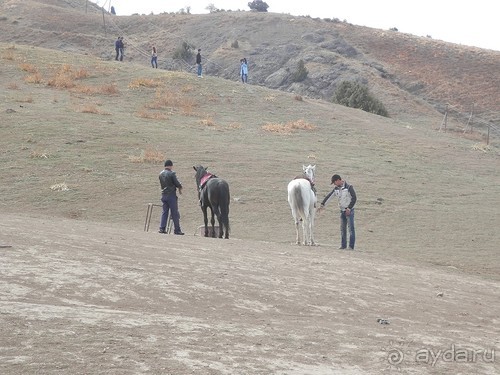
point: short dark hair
(168, 163)
(336, 177)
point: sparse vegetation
(207, 121)
(184, 52)
(354, 95)
(288, 127)
(301, 73)
(34, 78)
(149, 155)
(152, 115)
(143, 82)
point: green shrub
(355, 95)
(184, 52)
(301, 73)
(258, 5)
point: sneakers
(162, 231)
(341, 248)
(351, 248)
(179, 233)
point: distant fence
(484, 124)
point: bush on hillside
(355, 95)
(184, 52)
(301, 73)
(258, 5)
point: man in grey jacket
(169, 185)
(347, 199)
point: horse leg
(212, 221)
(297, 238)
(219, 221)
(305, 230)
(311, 227)
(205, 219)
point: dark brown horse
(213, 193)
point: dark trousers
(347, 221)
(170, 204)
(117, 53)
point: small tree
(301, 73)
(184, 52)
(211, 8)
(354, 95)
(258, 5)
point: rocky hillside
(413, 76)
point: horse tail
(224, 208)
(298, 201)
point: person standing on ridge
(154, 58)
(244, 70)
(198, 62)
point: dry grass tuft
(92, 108)
(270, 98)
(30, 68)
(39, 155)
(26, 99)
(207, 121)
(65, 76)
(109, 89)
(59, 187)
(298, 98)
(33, 78)
(8, 55)
(481, 147)
(152, 115)
(143, 82)
(168, 99)
(148, 155)
(289, 127)
(186, 89)
(13, 86)
(235, 125)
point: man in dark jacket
(117, 47)
(198, 62)
(169, 185)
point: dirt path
(81, 298)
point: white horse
(302, 200)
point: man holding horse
(347, 199)
(169, 185)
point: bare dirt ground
(84, 290)
(86, 298)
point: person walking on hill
(244, 70)
(169, 185)
(198, 63)
(122, 48)
(117, 48)
(154, 58)
(347, 199)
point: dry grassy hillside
(85, 139)
(413, 76)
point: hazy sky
(473, 23)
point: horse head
(309, 172)
(200, 172)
